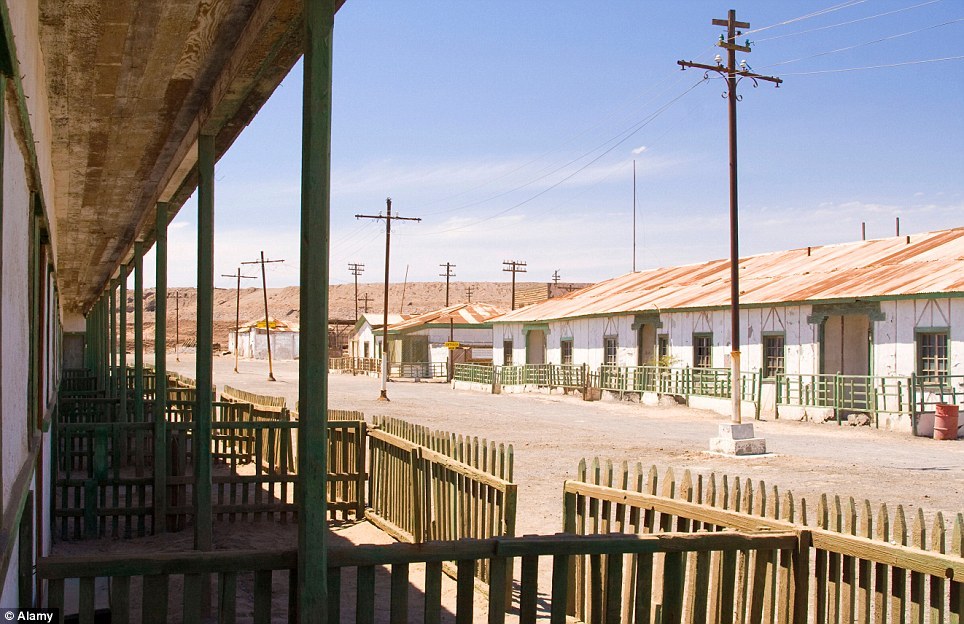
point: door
(646, 344)
(845, 351)
(536, 347)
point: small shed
(366, 339)
(423, 338)
(253, 342)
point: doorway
(536, 346)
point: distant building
(421, 339)
(366, 339)
(253, 343)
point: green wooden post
(115, 379)
(122, 344)
(203, 529)
(139, 331)
(313, 363)
(160, 372)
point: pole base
(271, 377)
(738, 440)
(383, 396)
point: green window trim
(772, 364)
(932, 356)
(701, 359)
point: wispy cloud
(639, 150)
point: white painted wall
(15, 310)
(894, 338)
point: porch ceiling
(131, 83)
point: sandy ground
(551, 433)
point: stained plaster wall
(587, 335)
(25, 24)
(15, 310)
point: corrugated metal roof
(930, 263)
(460, 314)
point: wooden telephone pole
(365, 301)
(468, 292)
(388, 218)
(514, 266)
(267, 323)
(356, 270)
(448, 266)
(733, 75)
(237, 315)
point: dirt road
(551, 433)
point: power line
(847, 23)
(831, 9)
(631, 133)
(888, 65)
(866, 43)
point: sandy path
(551, 433)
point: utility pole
(356, 270)
(514, 266)
(634, 215)
(388, 217)
(237, 315)
(468, 292)
(448, 266)
(365, 301)
(267, 324)
(177, 321)
(733, 75)
(555, 277)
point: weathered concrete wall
(25, 23)
(15, 310)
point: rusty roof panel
(928, 263)
(462, 314)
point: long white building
(880, 308)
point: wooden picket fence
(262, 586)
(850, 566)
(434, 485)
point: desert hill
(284, 303)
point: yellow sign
(453, 345)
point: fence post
(801, 578)
(418, 529)
(360, 468)
(912, 394)
(569, 502)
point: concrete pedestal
(738, 440)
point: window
(566, 346)
(609, 350)
(662, 347)
(507, 352)
(368, 350)
(773, 355)
(932, 353)
(702, 350)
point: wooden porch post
(203, 529)
(138, 331)
(122, 343)
(313, 363)
(160, 372)
(112, 348)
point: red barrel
(945, 422)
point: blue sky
(511, 128)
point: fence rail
(849, 566)
(419, 370)
(264, 584)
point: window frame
(563, 343)
(662, 346)
(507, 347)
(698, 336)
(610, 359)
(766, 368)
(933, 332)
